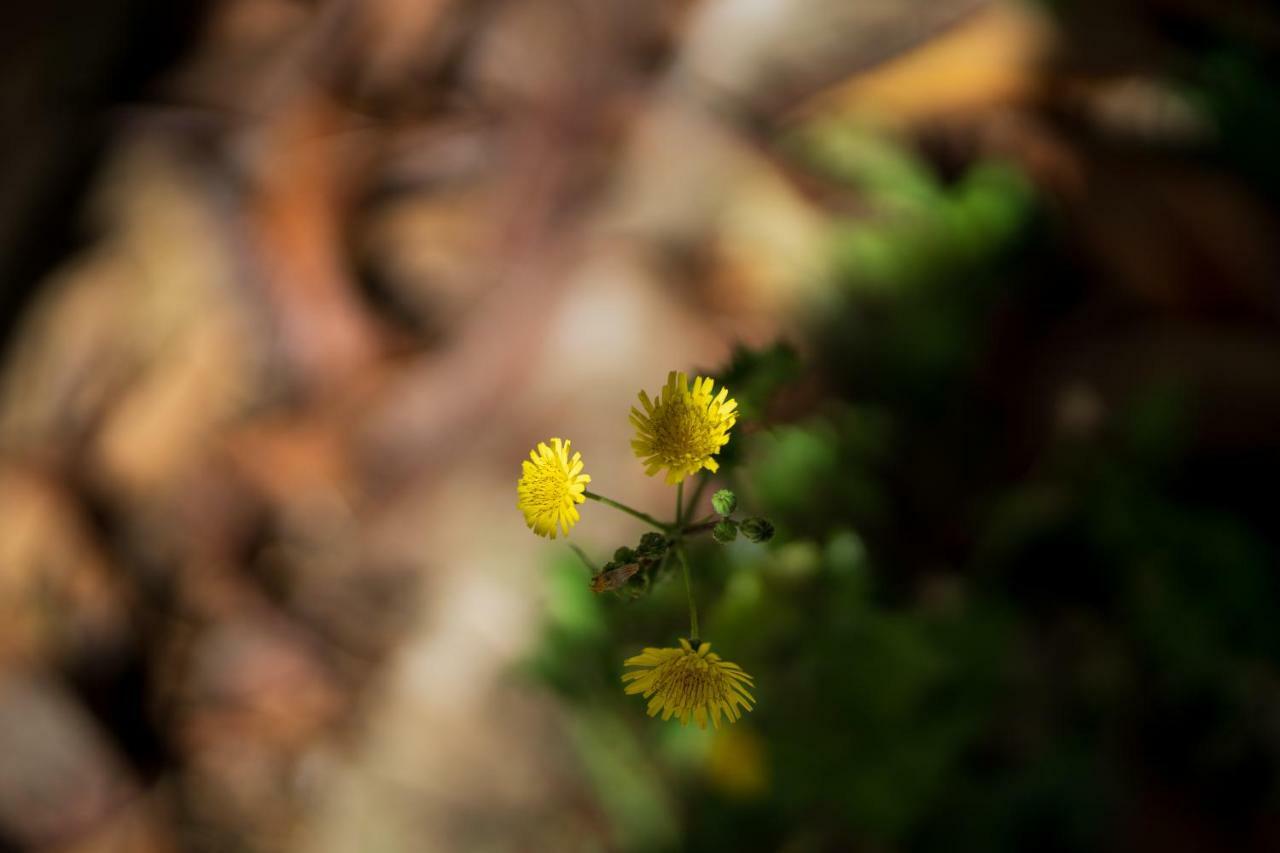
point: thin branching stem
(582, 555)
(700, 526)
(694, 636)
(703, 480)
(645, 517)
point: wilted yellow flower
(683, 429)
(690, 684)
(551, 485)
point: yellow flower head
(683, 429)
(690, 684)
(549, 488)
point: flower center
(690, 681)
(549, 486)
(683, 432)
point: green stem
(679, 504)
(700, 526)
(688, 591)
(582, 555)
(648, 519)
(703, 479)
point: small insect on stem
(614, 578)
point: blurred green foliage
(1234, 84)
(967, 634)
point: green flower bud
(757, 529)
(724, 502)
(624, 555)
(725, 532)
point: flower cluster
(681, 431)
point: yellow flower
(683, 429)
(549, 488)
(690, 684)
